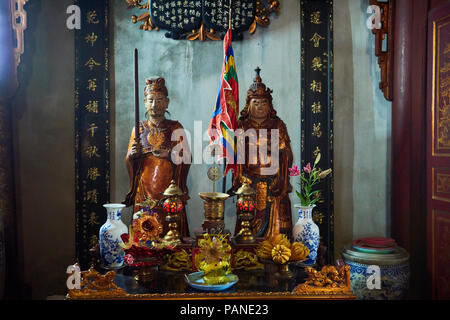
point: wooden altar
(304, 284)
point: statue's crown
(258, 89)
(154, 85)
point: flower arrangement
(309, 178)
(215, 264)
(280, 250)
(142, 245)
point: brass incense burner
(214, 205)
(214, 211)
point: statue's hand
(275, 188)
(161, 153)
(275, 193)
(135, 151)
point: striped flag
(224, 119)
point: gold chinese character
(92, 85)
(316, 151)
(91, 38)
(316, 130)
(316, 39)
(315, 17)
(316, 107)
(92, 106)
(93, 173)
(317, 64)
(92, 17)
(92, 196)
(92, 128)
(91, 63)
(93, 219)
(93, 241)
(316, 86)
(92, 151)
(318, 217)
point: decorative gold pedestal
(283, 271)
(245, 236)
(173, 235)
(146, 274)
(244, 256)
(278, 270)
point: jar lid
(374, 245)
(398, 255)
(376, 242)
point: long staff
(137, 162)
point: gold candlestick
(173, 206)
(246, 212)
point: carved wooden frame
(264, 9)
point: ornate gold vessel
(214, 211)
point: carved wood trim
(19, 24)
(386, 56)
(329, 283)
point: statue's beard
(156, 113)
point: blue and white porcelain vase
(307, 232)
(111, 252)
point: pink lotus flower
(307, 169)
(129, 259)
(294, 171)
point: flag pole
(224, 181)
(229, 15)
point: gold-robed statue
(149, 161)
(269, 179)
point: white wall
(362, 128)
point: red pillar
(408, 197)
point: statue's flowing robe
(273, 207)
(157, 173)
